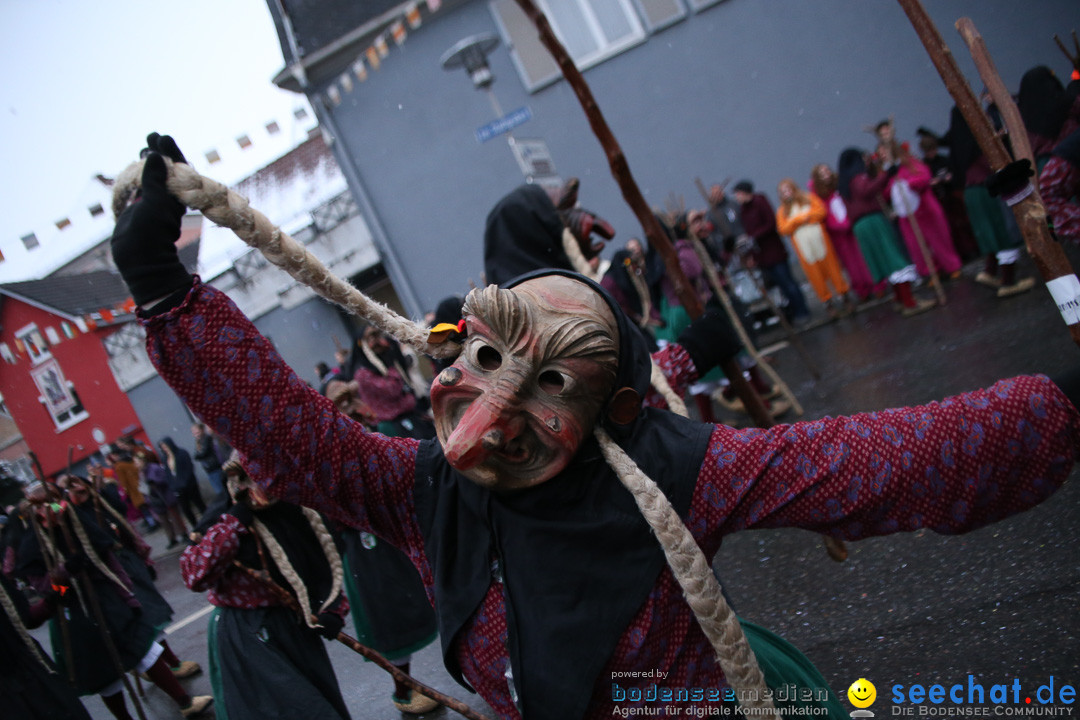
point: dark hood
(523, 233)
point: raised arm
(949, 466)
(292, 440)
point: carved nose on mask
(486, 427)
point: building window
(591, 30)
(300, 113)
(31, 339)
(244, 142)
(30, 241)
(272, 128)
(63, 224)
(96, 210)
(58, 395)
(702, 4)
(212, 157)
(658, 14)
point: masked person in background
(268, 659)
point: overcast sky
(85, 81)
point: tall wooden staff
(620, 170)
(1030, 213)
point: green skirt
(794, 680)
(987, 221)
(880, 245)
(676, 319)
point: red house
(55, 377)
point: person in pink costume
(914, 203)
(823, 182)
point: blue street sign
(505, 124)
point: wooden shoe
(987, 279)
(197, 706)
(1020, 286)
(920, 306)
(836, 549)
(186, 669)
(416, 703)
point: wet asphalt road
(1000, 603)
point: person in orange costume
(801, 216)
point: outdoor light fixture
(471, 53)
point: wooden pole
(1030, 213)
(620, 170)
(788, 330)
(721, 294)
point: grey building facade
(755, 89)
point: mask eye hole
(488, 358)
(551, 382)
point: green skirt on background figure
(794, 680)
(676, 319)
(881, 246)
(988, 221)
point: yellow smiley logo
(862, 693)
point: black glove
(710, 341)
(1011, 179)
(892, 169)
(331, 625)
(583, 224)
(243, 513)
(144, 241)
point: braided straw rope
(675, 403)
(16, 622)
(281, 559)
(120, 519)
(84, 540)
(326, 541)
(577, 258)
(700, 586)
(231, 210)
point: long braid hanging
(231, 210)
(326, 541)
(84, 541)
(659, 381)
(691, 569)
(577, 258)
(16, 621)
(277, 554)
(281, 559)
(121, 521)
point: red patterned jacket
(950, 466)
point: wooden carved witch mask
(535, 370)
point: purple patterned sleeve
(292, 440)
(949, 466)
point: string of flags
(34, 344)
(371, 58)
